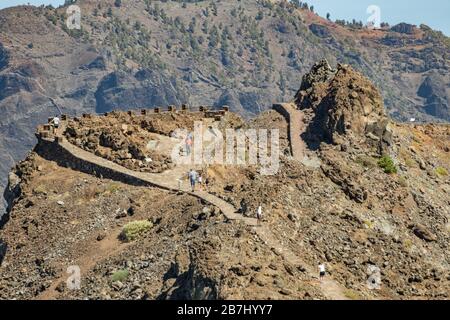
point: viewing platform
(48, 131)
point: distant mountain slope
(245, 54)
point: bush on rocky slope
(120, 275)
(387, 164)
(132, 230)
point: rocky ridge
(383, 235)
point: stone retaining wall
(294, 119)
(53, 151)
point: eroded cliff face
(13, 192)
(434, 90)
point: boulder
(423, 233)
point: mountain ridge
(142, 55)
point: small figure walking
(200, 181)
(206, 183)
(259, 215)
(193, 178)
(321, 270)
(56, 121)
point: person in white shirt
(259, 214)
(56, 122)
(321, 270)
(193, 176)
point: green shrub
(120, 275)
(134, 229)
(441, 171)
(387, 164)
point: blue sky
(12, 3)
(434, 13)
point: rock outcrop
(434, 90)
(130, 145)
(12, 191)
(313, 85)
(4, 57)
(345, 107)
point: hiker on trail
(259, 215)
(200, 181)
(193, 178)
(206, 182)
(56, 122)
(321, 270)
(205, 178)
